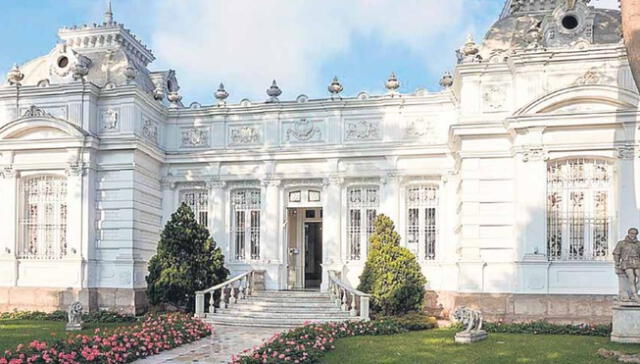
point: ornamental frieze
(361, 130)
(195, 137)
(303, 130)
(244, 135)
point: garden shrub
(546, 328)
(187, 261)
(413, 321)
(121, 345)
(391, 274)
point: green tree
(391, 274)
(187, 260)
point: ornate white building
(512, 184)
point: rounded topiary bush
(392, 274)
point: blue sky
(247, 43)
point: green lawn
(14, 332)
(437, 346)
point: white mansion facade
(512, 184)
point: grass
(14, 332)
(437, 346)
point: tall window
(362, 204)
(578, 211)
(44, 217)
(246, 222)
(422, 230)
(198, 201)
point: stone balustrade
(235, 288)
(347, 298)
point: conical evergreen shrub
(391, 274)
(187, 260)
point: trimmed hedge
(91, 317)
(413, 321)
(546, 328)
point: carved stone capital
(216, 184)
(167, 183)
(75, 170)
(626, 152)
(534, 154)
(271, 182)
(8, 172)
(333, 180)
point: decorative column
(217, 221)
(8, 234)
(390, 197)
(168, 199)
(531, 203)
(75, 249)
(270, 221)
(332, 209)
(627, 191)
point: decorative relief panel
(302, 131)
(361, 130)
(594, 76)
(421, 128)
(245, 135)
(194, 137)
(494, 97)
(110, 119)
(150, 130)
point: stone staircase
(282, 309)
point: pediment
(582, 99)
(38, 125)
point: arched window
(362, 204)
(246, 205)
(198, 201)
(578, 209)
(422, 229)
(44, 217)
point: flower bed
(308, 343)
(121, 345)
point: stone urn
(631, 31)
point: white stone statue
(74, 314)
(472, 320)
(627, 266)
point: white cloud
(247, 43)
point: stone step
(276, 309)
(284, 299)
(265, 322)
(296, 304)
(281, 315)
(290, 294)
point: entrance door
(312, 254)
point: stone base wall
(508, 307)
(132, 301)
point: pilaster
(332, 210)
(217, 221)
(8, 234)
(269, 224)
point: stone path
(218, 348)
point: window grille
(362, 209)
(44, 218)
(198, 201)
(246, 205)
(422, 228)
(578, 210)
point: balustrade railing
(235, 288)
(347, 298)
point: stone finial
(174, 99)
(74, 314)
(392, 83)
(81, 67)
(273, 92)
(335, 87)
(221, 95)
(15, 75)
(469, 51)
(447, 80)
(108, 15)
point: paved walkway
(218, 348)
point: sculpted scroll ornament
(302, 130)
(35, 112)
(245, 135)
(195, 138)
(362, 130)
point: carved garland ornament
(245, 135)
(194, 137)
(362, 130)
(150, 131)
